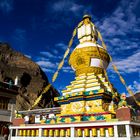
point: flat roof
(39, 111)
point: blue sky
(41, 30)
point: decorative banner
(55, 76)
(100, 37)
(70, 42)
(115, 68)
(74, 32)
(37, 101)
(60, 64)
(122, 80)
(46, 88)
(66, 53)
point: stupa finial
(87, 16)
(87, 31)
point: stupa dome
(89, 57)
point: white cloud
(117, 27)
(42, 59)
(62, 45)
(135, 87)
(48, 70)
(65, 11)
(49, 66)
(67, 69)
(29, 56)
(48, 54)
(67, 6)
(76, 7)
(54, 54)
(46, 64)
(6, 6)
(121, 21)
(130, 64)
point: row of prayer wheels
(28, 132)
(56, 133)
(46, 132)
(79, 132)
(88, 132)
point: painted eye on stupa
(80, 61)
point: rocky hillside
(31, 79)
(130, 101)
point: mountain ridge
(32, 80)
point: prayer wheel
(37, 132)
(24, 132)
(51, 133)
(79, 132)
(94, 132)
(56, 132)
(28, 132)
(45, 133)
(62, 133)
(68, 133)
(32, 133)
(110, 132)
(102, 132)
(86, 132)
(20, 132)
